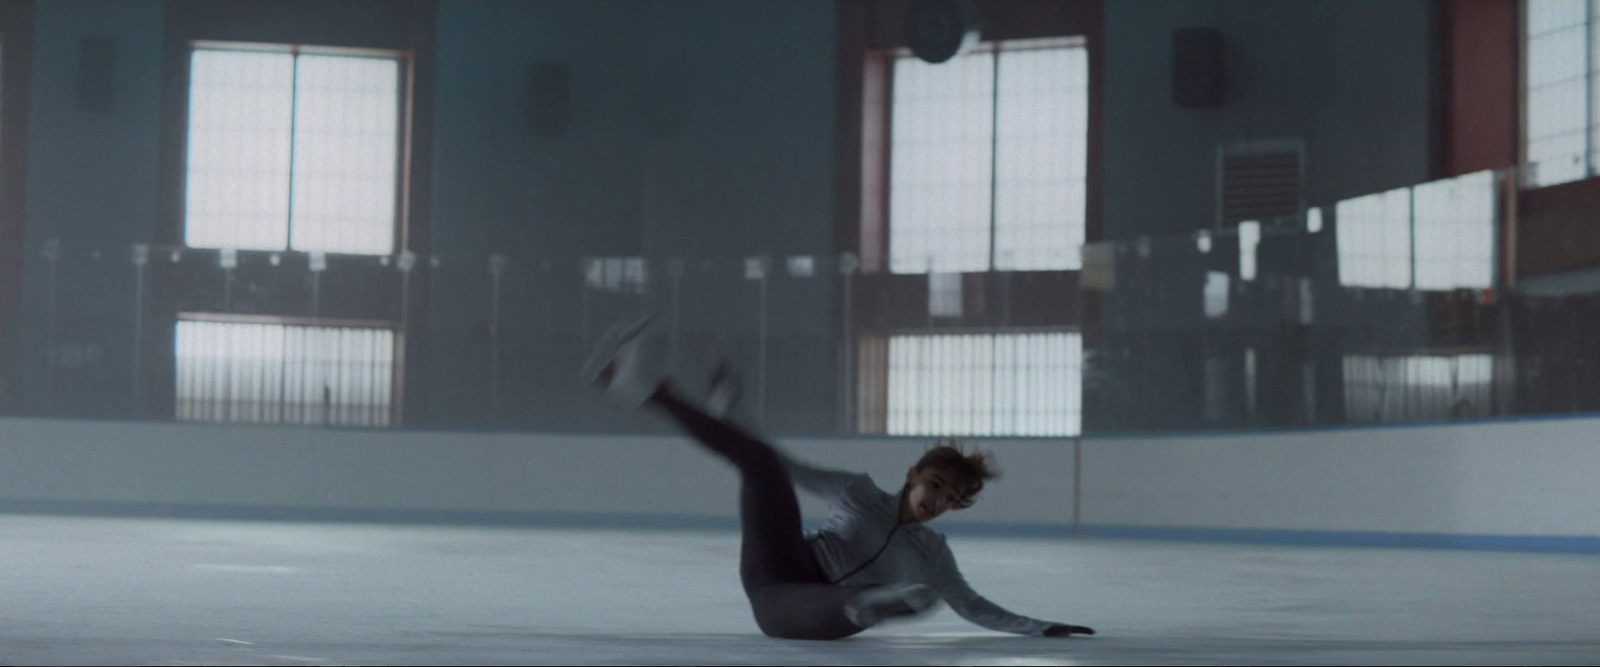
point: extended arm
(980, 611)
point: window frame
(403, 134)
(878, 415)
(874, 303)
(396, 375)
(877, 229)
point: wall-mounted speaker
(549, 99)
(1197, 69)
(96, 73)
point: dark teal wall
(696, 129)
(1354, 81)
(1350, 78)
(91, 183)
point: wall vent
(1260, 180)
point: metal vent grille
(1260, 181)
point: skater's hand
(1064, 630)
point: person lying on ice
(875, 559)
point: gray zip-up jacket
(864, 519)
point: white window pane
(1042, 152)
(1560, 90)
(1546, 16)
(1557, 159)
(345, 154)
(1558, 109)
(940, 164)
(1374, 240)
(1455, 225)
(1249, 238)
(1557, 56)
(237, 176)
(273, 373)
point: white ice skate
(724, 391)
(624, 365)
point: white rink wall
(1517, 478)
(1529, 478)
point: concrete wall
(1524, 484)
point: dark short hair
(971, 469)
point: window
(293, 149)
(1560, 90)
(988, 159)
(1454, 230)
(1416, 387)
(275, 373)
(984, 384)
(1434, 236)
(1374, 240)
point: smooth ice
(79, 590)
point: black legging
(788, 592)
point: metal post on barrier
(756, 269)
(318, 263)
(497, 267)
(141, 261)
(52, 257)
(674, 268)
(1077, 483)
(848, 265)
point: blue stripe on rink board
(626, 521)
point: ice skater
(874, 560)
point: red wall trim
(1480, 64)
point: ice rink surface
(180, 592)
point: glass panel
(1557, 56)
(1557, 159)
(1455, 232)
(1374, 240)
(345, 154)
(237, 180)
(1558, 109)
(1559, 91)
(1042, 147)
(940, 164)
(1546, 16)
